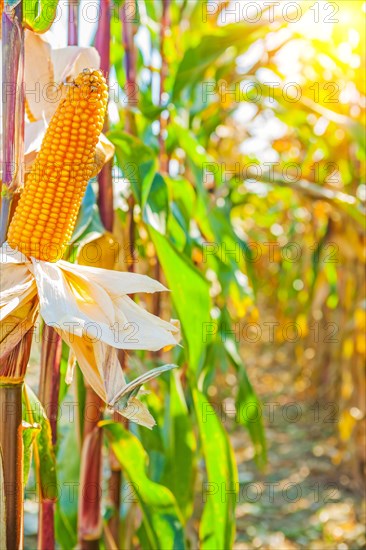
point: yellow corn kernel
(56, 183)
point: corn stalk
(49, 385)
(90, 494)
(12, 369)
(163, 157)
(11, 442)
(128, 32)
(102, 43)
(72, 23)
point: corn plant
(102, 212)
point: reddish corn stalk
(13, 113)
(90, 494)
(163, 157)
(11, 438)
(47, 526)
(102, 43)
(11, 443)
(114, 491)
(13, 367)
(128, 32)
(164, 27)
(48, 395)
(72, 22)
(49, 384)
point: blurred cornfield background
(238, 181)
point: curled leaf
(38, 15)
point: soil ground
(302, 499)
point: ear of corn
(47, 210)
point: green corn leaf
(197, 59)
(30, 432)
(190, 294)
(156, 204)
(35, 413)
(161, 516)
(137, 161)
(248, 405)
(88, 219)
(38, 15)
(217, 528)
(68, 477)
(180, 447)
(63, 369)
